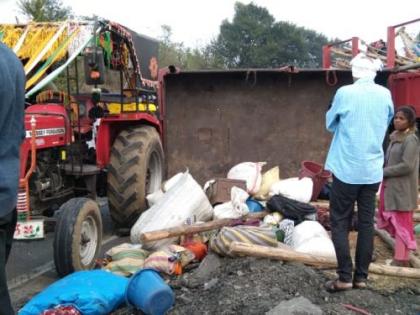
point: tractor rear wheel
(135, 170)
(78, 236)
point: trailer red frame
(403, 81)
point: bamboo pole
(194, 228)
(288, 254)
(384, 235)
(283, 252)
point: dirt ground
(247, 285)
(254, 286)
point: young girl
(398, 196)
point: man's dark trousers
(343, 197)
(7, 229)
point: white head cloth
(365, 67)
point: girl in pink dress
(399, 191)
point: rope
(334, 79)
(248, 75)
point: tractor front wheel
(78, 236)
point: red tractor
(81, 145)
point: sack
(311, 238)
(171, 182)
(307, 230)
(185, 199)
(169, 260)
(154, 197)
(268, 178)
(294, 188)
(250, 172)
(318, 246)
(126, 259)
(242, 233)
(93, 292)
(235, 208)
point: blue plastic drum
(148, 292)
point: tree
(254, 39)
(173, 53)
(44, 10)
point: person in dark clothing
(358, 119)
(12, 102)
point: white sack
(294, 188)
(235, 208)
(307, 230)
(183, 200)
(319, 246)
(310, 237)
(154, 197)
(249, 172)
(171, 181)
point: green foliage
(254, 39)
(173, 53)
(44, 10)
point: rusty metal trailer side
(214, 120)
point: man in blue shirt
(358, 118)
(12, 101)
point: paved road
(31, 267)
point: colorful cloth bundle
(170, 259)
(62, 310)
(126, 259)
(242, 233)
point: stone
(206, 270)
(212, 283)
(300, 305)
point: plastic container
(147, 291)
(318, 175)
(253, 205)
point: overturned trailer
(215, 119)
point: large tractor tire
(135, 170)
(78, 236)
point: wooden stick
(287, 254)
(284, 253)
(384, 235)
(194, 228)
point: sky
(196, 22)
